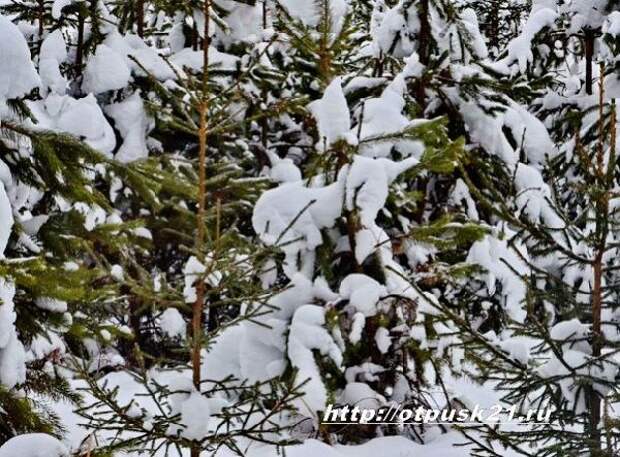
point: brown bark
(602, 205)
(198, 309)
(140, 17)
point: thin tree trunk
(199, 305)
(594, 400)
(94, 20)
(41, 20)
(140, 17)
(79, 53)
(424, 45)
(589, 54)
(195, 37)
(495, 25)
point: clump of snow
(520, 48)
(534, 197)
(14, 54)
(139, 57)
(357, 327)
(367, 184)
(43, 346)
(82, 118)
(172, 323)
(244, 21)
(569, 329)
(259, 350)
(194, 408)
(195, 416)
(309, 13)
(194, 60)
(612, 24)
(53, 53)
(331, 113)
(363, 293)
(12, 353)
(132, 122)
(51, 304)
(388, 28)
(503, 265)
(307, 333)
(383, 340)
(94, 215)
(292, 216)
(384, 115)
(284, 170)
(117, 272)
(33, 445)
(362, 395)
(193, 270)
(105, 70)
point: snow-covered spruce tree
(56, 221)
(555, 260)
(345, 230)
(506, 145)
(553, 251)
(197, 116)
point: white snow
(569, 329)
(194, 60)
(172, 323)
(363, 293)
(12, 353)
(82, 118)
(503, 264)
(105, 70)
(138, 56)
(367, 184)
(51, 304)
(534, 197)
(53, 53)
(33, 445)
(193, 270)
(331, 113)
(131, 120)
(195, 416)
(308, 12)
(357, 327)
(383, 340)
(307, 332)
(117, 272)
(14, 54)
(362, 395)
(520, 48)
(292, 216)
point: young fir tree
(56, 220)
(203, 262)
(346, 229)
(551, 341)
